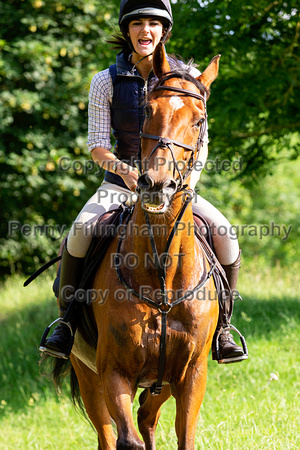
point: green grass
(254, 404)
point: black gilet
(127, 112)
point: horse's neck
(184, 262)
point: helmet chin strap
(144, 57)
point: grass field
(251, 405)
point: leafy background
(50, 50)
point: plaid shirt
(100, 98)
(101, 93)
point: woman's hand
(128, 174)
(107, 160)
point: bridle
(166, 142)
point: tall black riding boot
(228, 350)
(58, 344)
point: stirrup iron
(232, 359)
(49, 351)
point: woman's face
(145, 34)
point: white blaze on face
(176, 102)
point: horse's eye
(147, 111)
(200, 122)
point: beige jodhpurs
(109, 196)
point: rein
(164, 306)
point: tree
(49, 52)
(254, 110)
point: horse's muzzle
(156, 196)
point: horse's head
(173, 130)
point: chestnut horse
(151, 334)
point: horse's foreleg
(189, 395)
(94, 401)
(149, 413)
(119, 395)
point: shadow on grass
(21, 380)
(22, 383)
(260, 318)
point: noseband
(165, 142)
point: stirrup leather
(231, 359)
(49, 351)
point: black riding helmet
(132, 9)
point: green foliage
(253, 110)
(265, 217)
(50, 50)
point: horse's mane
(180, 69)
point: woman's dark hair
(119, 43)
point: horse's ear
(211, 72)
(160, 62)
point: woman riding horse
(116, 101)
